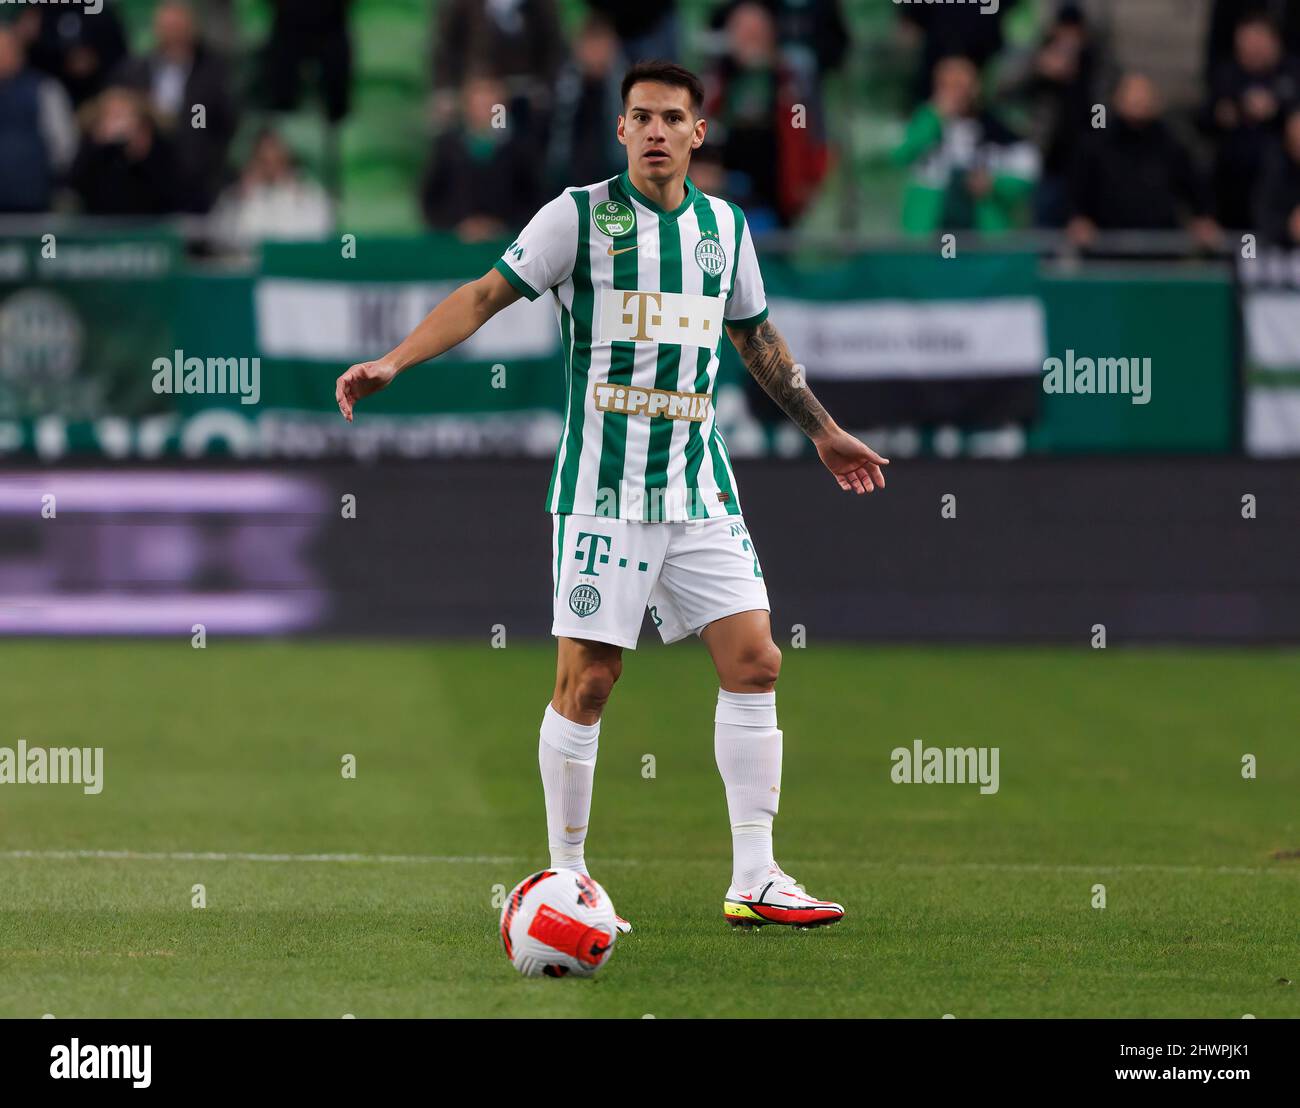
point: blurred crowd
(1084, 132)
(1117, 117)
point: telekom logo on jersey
(680, 318)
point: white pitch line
(236, 856)
(488, 859)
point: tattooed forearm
(767, 357)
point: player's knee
(759, 666)
(596, 682)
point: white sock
(566, 754)
(747, 746)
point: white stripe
(645, 355)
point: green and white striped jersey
(641, 295)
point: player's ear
(619, 131)
(701, 129)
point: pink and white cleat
(778, 898)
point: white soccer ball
(558, 922)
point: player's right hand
(359, 381)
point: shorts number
(747, 545)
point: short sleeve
(543, 254)
(747, 302)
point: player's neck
(668, 195)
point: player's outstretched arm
(450, 323)
(855, 465)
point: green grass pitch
(1118, 767)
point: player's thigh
(710, 571)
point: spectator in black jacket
(76, 48)
(1227, 14)
(812, 33)
(1250, 95)
(647, 31)
(38, 136)
(1135, 174)
(1060, 81)
(310, 31)
(584, 147)
(483, 178)
(1277, 209)
(124, 166)
(179, 76)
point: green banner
(934, 353)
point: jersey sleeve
(543, 254)
(747, 302)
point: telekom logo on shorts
(593, 553)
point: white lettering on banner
(881, 339)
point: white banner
(877, 339)
(345, 322)
(1273, 328)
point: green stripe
(566, 353)
(666, 368)
(559, 554)
(696, 447)
(580, 368)
(613, 447)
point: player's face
(660, 130)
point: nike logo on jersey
(623, 250)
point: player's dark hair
(665, 73)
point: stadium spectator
(179, 76)
(1135, 174)
(1227, 14)
(76, 48)
(584, 147)
(305, 31)
(1165, 39)
(647, 31)
(272, 199)
(124, 166)
(969, 170)
(970, 30)
(707, 172)
(1278, 201)
(482, 180)
(1250, 95)
(519, 40)
(812, 33)
(38, 136)
(1059, 80)
(774, 151)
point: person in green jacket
(969, 170)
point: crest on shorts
(584, 600)
(613, 219)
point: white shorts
(607, 572)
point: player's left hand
(856, 466)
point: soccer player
(646, 273)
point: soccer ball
(558, 922)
